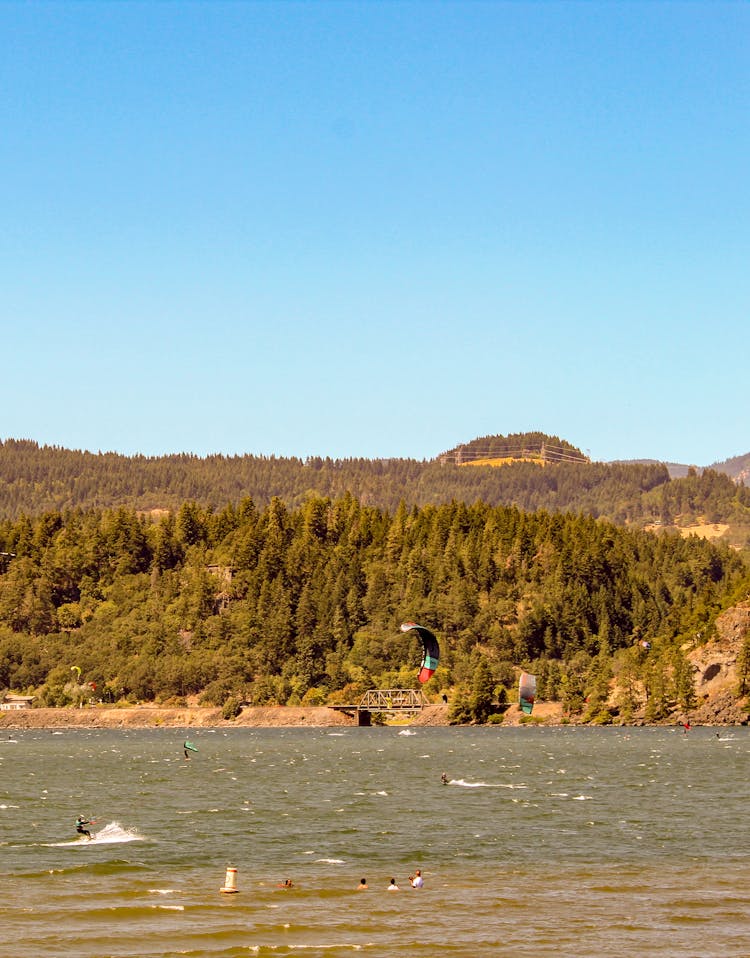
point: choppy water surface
(566, 841)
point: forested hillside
(278, 604)
(37, 479)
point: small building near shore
(11, 702)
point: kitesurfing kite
(526, 692)
(431, 650)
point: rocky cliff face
(715, 665)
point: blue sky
(376, 229)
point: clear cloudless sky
(376, 229)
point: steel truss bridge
(387, 701)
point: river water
(546, 842)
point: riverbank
(284, 716)
(151, 716)
(147, 716)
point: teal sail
(526, 692)
(431, 650)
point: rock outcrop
(715, 671)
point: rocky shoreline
(147, 716)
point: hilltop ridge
(647, 494)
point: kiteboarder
(444, 778)
(81, 823)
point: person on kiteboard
(81, 822)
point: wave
(464, 784)
(112, 834)
(113, 867)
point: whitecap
(464, 784)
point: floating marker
(230, 882)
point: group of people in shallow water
(415, 880)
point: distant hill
(537, 471)
(518, 447)
(676, 470)
(738, 468)
(542, 448)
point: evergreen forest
(300, 603)
(548, 474)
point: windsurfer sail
(526, 692)
(189, 747)
(430, 647)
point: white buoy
(230, 882)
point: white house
(12, 702)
